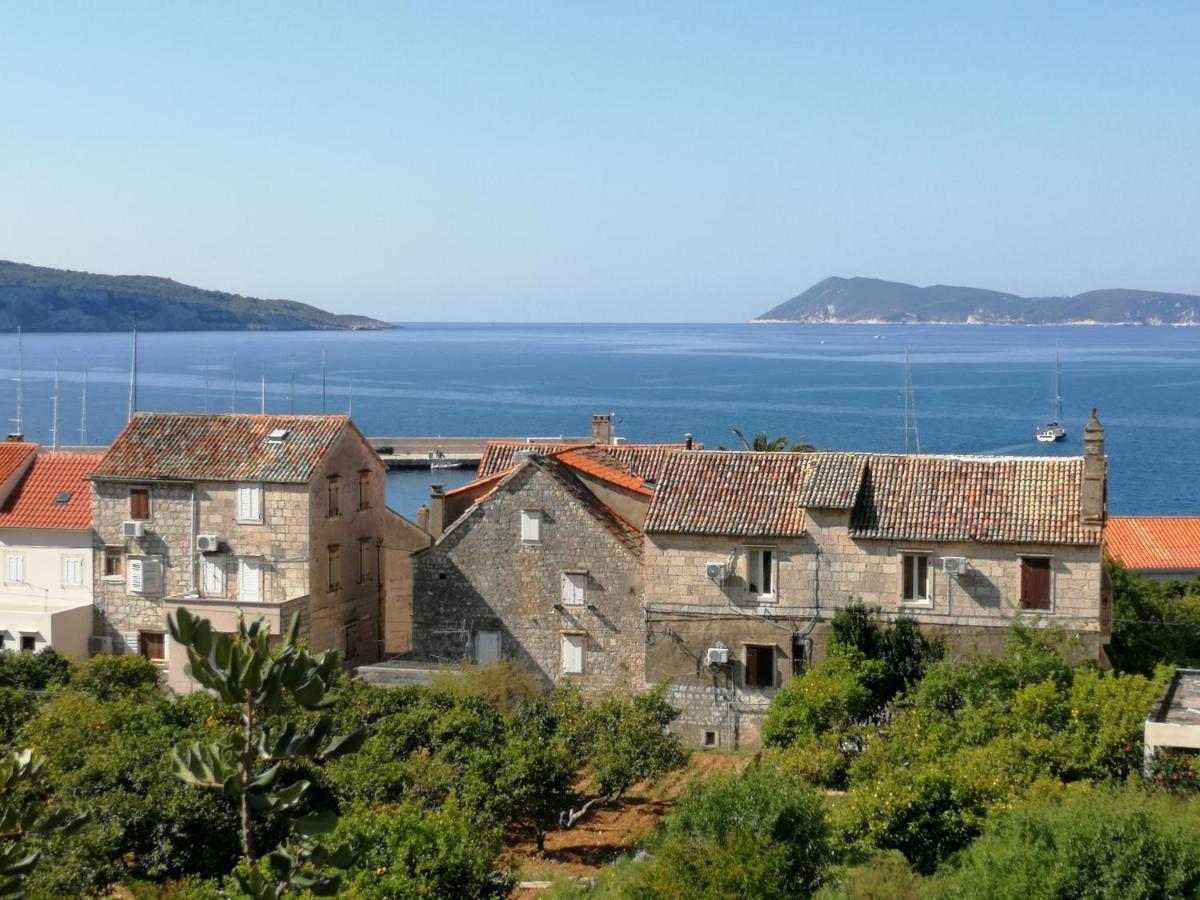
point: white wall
(58, 614)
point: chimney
(423, 518)
(687, 442)
(602, 430)
(1093, 493)
(437, 510)
(15, 437)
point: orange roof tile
(1154, 542)
(13, 455)
(644, 461)
(226, 447)
(600, 463)
(52, 478)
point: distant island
(41, 299)
(876, 302)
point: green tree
(34, 671)
(1153, 623)
(244, 672)
(110, 677)
(829, 698)
(764, 443)
(24, 811)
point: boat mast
(262, 397)
(292, 391)
(1057, 387)
(83, 407)
(54, 413)
(322, 382)
(910, 408)
(133, 365)
(20, 376)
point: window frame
(364, 489)
(537, 518)
(143, 645)
(571, 589)
(255, 563)
(1048, 562)
(19, 558)
(333, 569)
(750, 672)
(333, 497)
(258, 497)
(142, 491)
(67, 559)
(112, 552)
(916, 556)
(31, 638)
(758, 551)
(567, 638)
(364, 560)
(219, 562)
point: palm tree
(763, 443)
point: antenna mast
(292, 391)
(20, 376)
(233, 396)
(54, 413)
(83, 407)
(910, 409)
(206, 384)
(133, 374)
(262, 397)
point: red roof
(55, 493)
(227, 447)
(1169, 543)
(645, 461)
(599, 463)
(12, 456)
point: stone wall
(482, 577)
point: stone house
(46, 549)
(542, 563)
(242, 515)
(748, 555)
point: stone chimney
(16, 437)
(437, 510)
(687, 441)
(423, 518)
(602, 430)
(1093, 493)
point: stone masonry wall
(482, 576)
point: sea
(976, 389)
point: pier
(448, 452)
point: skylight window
(63, 499)
(278, 436)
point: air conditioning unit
(133, 528)
(99, 643)
(954, 565)
(715, 571)
(716, 656)
(207, 543)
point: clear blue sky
(602, 161)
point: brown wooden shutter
(152, 645)
(760, 666)
(1035, 583)
(139, 503)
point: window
(572, 654)
(139, 503)
(14, 568)
(212, 566)
(364, 559)
(1035, 582)
(487, 647)
(250, 580)
(114, 562)
(710, 739)
(249, 503)
(334, 568)
(152, 645)
(144, 575)
(574, 588)
(760, 665)
(799, 654)
(28, 643)
(351, 643)
(72, 571)
(331, 499)
(364, 489)
(760, 571)
(916, 578)
(531, 526)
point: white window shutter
(72, 571)
(133, 643)
(574, 588)
(136, 577)
(256, 502)
(214, 576)
(531, 525)
(572, 654)
(16, 569)
(250, 581)
(152, 576)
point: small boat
(1053, 432)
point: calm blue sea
(978, 389)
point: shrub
(17, 706)
(829, 698)
(883, 876)
(816, 759)
(112, 677)
(34, 671)
(1084, 842)
(503, 685)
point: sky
(666, 162)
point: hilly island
(873, 301)
(41, 299)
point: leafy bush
(34, 671)
(1153, 622)
(17, 706)
(111, 677)
(830, 698)
(883, 876)
(504, 685)
(816, 759)
(903, 653)
(1084, 842)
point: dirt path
(611, 830)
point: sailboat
(1053, 432)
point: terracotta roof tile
(990, 499)
(13, 455)
(835, 481)
(55, 493)
(645, 461)
(1154, 542)
(599, 462)
(621, 529)
(731, 493)
(228, 447)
